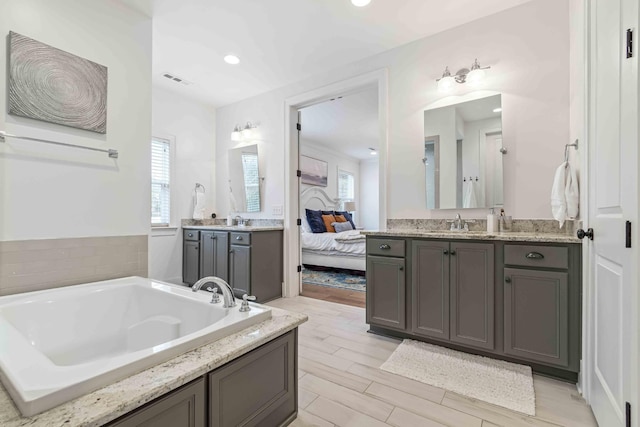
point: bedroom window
(346, 186)
(160, 182)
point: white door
(613, 198)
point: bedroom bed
(345, 250)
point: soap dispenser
(492, 222)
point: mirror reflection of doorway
(432, 166)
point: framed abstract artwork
(314, 171)
(55, 86)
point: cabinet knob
(507, 279)
(446, 252)
(385, 247)
(190, 234)
(453, 252)
(401, 268)
(238, 237)
(213, 237)
(231, 251)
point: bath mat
(334, 279)
(493, 381)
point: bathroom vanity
(512, 296)
(249, 258)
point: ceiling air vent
(177, 79)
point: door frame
(292, 250)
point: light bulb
(445, 84)
(231, 59)
(247, 132)
(360, 3)
(235, 135)
(475, 77)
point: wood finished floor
(340, 383)
(340, 296)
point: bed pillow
(315, 221)
(306, 228)
(328, 220)
(347, 215)
(342, 226)
(341, 218)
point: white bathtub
(59, 344)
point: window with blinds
(251, 181)
(346, 186)
(160, 182)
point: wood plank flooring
(341, 296)
(340, 383)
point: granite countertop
(108, 403)
(234, 227)
(480, 235)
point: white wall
(368, 207)
(192, 125)
(335, 161)
(51, 192)
(528, 50)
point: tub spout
(225, 288)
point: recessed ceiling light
(497, 110)
(231, 59)
(360, 3)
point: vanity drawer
(537, 256)
(385, 247)
(240, 238)
(193, 235)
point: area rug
(335, 279)
(493, 381)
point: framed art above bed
(314, 171)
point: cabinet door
(190, 262)
(386, 292)
(430, 288)
(214, 254)
(240, 269)
(536, 314)
(472, 294)
(184, 407)
(258, 389)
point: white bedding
(328, 242)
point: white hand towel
(558, 198)
(198, 205)
(469, 199)
(572, 193)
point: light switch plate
(276, 210)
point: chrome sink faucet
(240, 221)
(458, 224)
(225, 288)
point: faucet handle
(215, 298)
(245, 302)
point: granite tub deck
(108, 403)
(479, 235)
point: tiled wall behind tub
(33, 265)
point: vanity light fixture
(247, 132)
(360, 3)
(373, 152)
(231, 59)
(473, 76)
(236, 135)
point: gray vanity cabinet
(472, 294)
(214, 248)
(191, 256)
(452, 285)
(184, 407)
(251, 261)
(430, 290)
(386, 283)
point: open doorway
(379, 79)
(339, 194)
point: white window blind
(160, 182)
(346, 186)
(251, 181)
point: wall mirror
(244, 179)
(463, 155)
